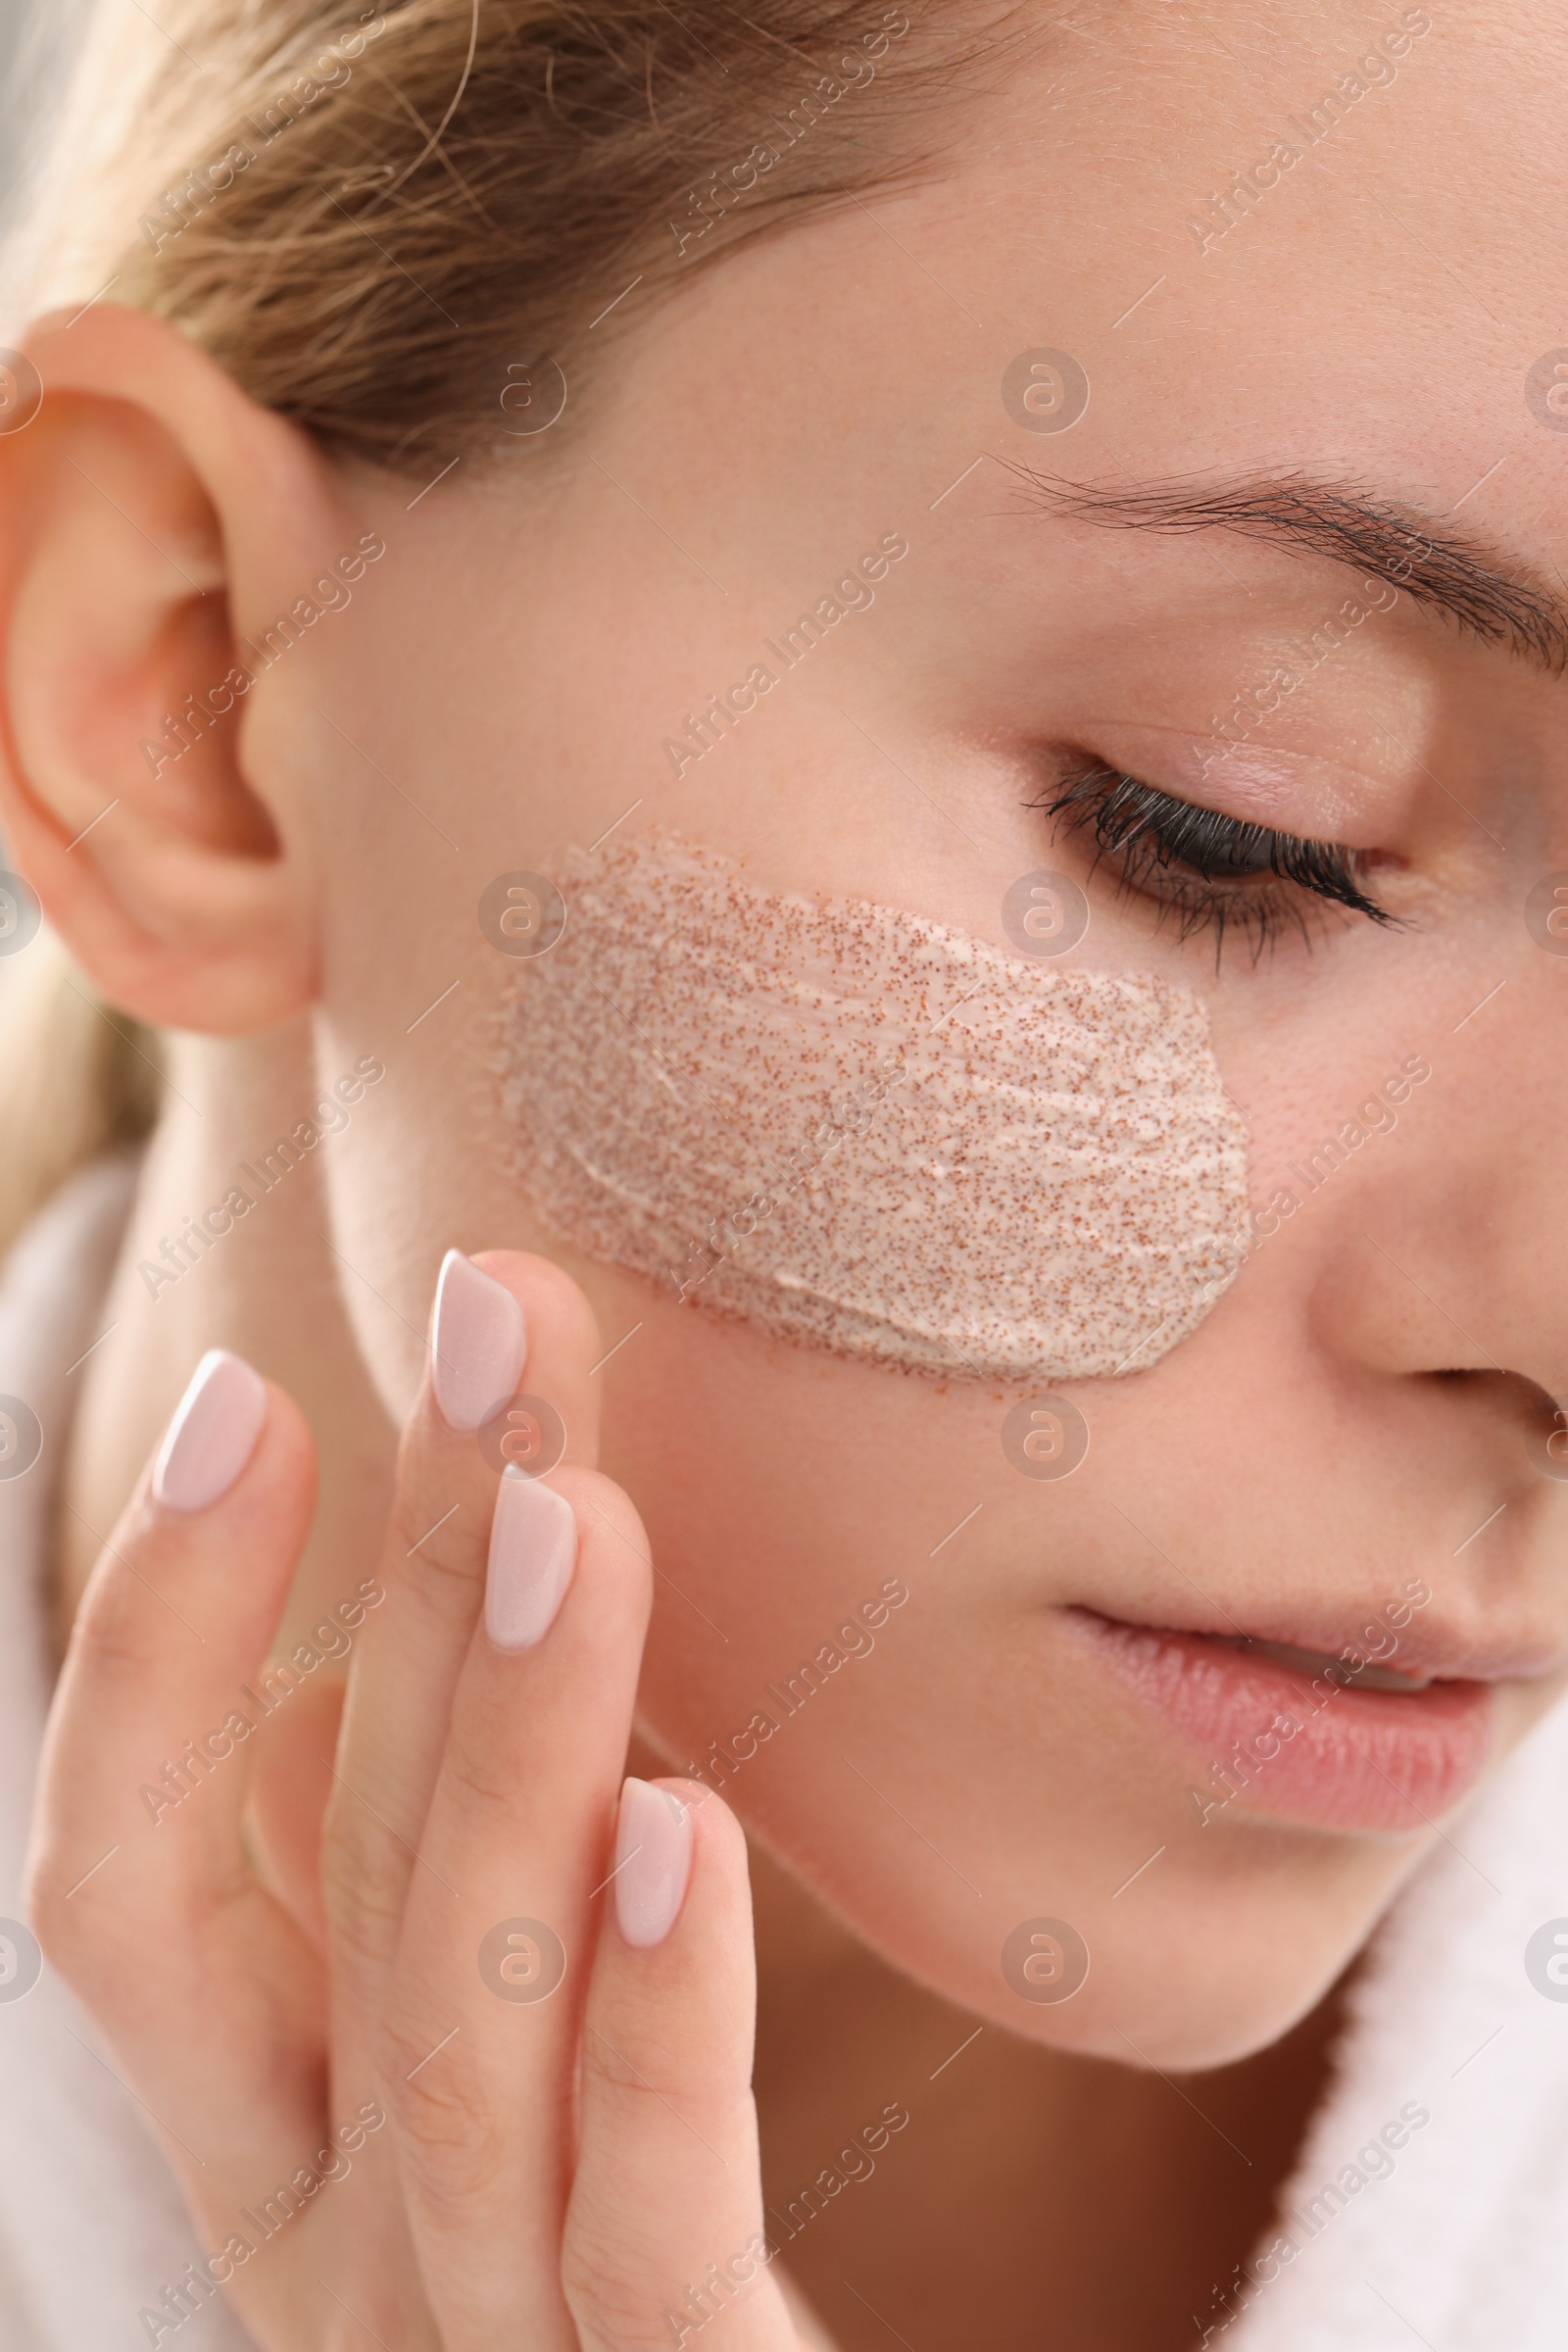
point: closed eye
(1206, 869)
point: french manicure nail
(653, 1862)
(477, 1344)
(534, 1551)
(213, 1434)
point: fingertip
(694, 1795)
(534, 1542)
(478, 1341)
(716, 1824)
(719, 1849)
(552, 1296)
(212, 1434)
(510, 1332)
(654, 1846)
(236, 1467)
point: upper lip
(1425, 1649)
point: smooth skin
(301, 889)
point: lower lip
(1356, 1760)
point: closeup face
(966, 1677)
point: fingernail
(534, 1551)
(477, 1344)
(653, 1862)
(213, 1434)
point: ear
(151, 518)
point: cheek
(855, 1127)
(963, 1778)
(391, 1234)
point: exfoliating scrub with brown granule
(857, 1128)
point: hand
(390, 2122)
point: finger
(510, 1321)
(138, 1848)
(515, 1317)
(498, 1938)
(291, 1783)
(665, 2228)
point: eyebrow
(1485, 594)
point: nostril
(1540, 1418)
(1548, 1437)
(1542, 1421)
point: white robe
(1463, 2245)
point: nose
(1447, 1253)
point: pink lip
(1356, 1759)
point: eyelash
(1152, 836)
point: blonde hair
(381, 220)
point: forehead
(1267, 237)
(1281, 219)
(1266, 234)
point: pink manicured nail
(477, 1344)
(534, 1551)
(213, 1434)
(653, 1862)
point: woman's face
(1310, 249)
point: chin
(1204, 1984)
(1209, 1956)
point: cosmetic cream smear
(857, 1128)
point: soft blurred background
(15, 17)
(43, 1007)
(35, 40)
